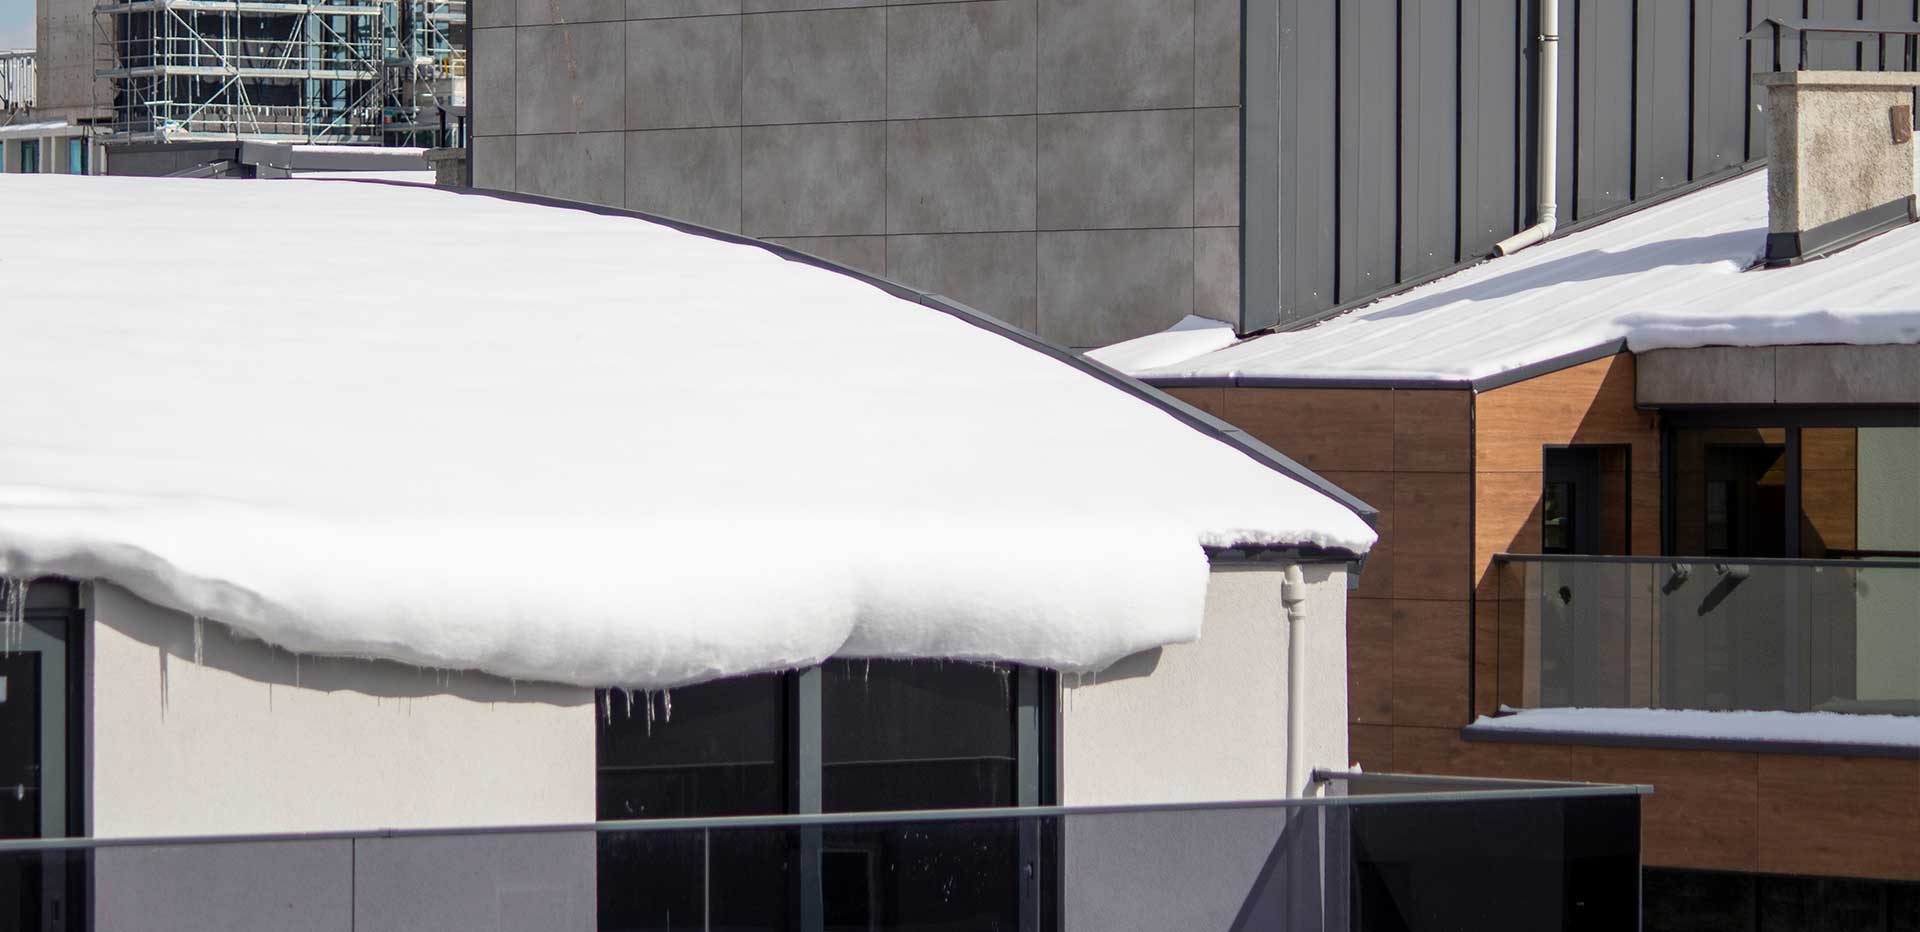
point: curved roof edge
(1181, 411)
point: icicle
(199, 640)
(15, 623)
(296, 670)
(649, 697)
(629, 693)
(606, 707)
(666, 696)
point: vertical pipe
(1548, 144)
(1293, 598)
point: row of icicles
(646, 696)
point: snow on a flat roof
(586, 449)
(1891, 731)
(1190, 337)
(1667, 276)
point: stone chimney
(1841, 159)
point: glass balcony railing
(1715, 634)
(1369, 852)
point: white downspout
(1293, 596)
(1549, 141)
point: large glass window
(849, 736)
(29, 156)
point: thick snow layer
(1190, 337)
(588, 449)
(408, 177)
(1672, 275)
(1896, 731)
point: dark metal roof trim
(1289, 381)
(1784, 249)
(1181, 411)
(1826, 748)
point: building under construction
(331, 71)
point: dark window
(1585, 500)
(30, 156)
(891, 735)
(40, 755)
(716, 749)
(903, 735)
(1729, 492)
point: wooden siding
(1409, 624)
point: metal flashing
(1181, 411)
(1550, 366)
(1784, 249)
(1823, 748)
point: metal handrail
(1870, 563)
(1473, 790)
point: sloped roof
(468, 432)
(1677, 274)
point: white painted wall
(1207, 720)
(253, 739)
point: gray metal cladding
(1407, 126)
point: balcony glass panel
(1712, 634)
(1371, 852)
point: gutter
(1548, 142)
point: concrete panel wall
(1069, 166)
(254, 739)
(1135, 732)
(64, 61)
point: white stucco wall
(254, 740)
(1208, 720)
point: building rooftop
(1676, 274)
(469, 432)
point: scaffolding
(318, 71)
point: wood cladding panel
(1703, 810)
(1370, 661)
(1432, 523)
(1590, 403)
(1432, 431)
(1443, 751)
(1430, 662)
(1371, 746)
(1856, 817)
(1321, 429)
(1211, 400)
(1506, 519)
(1376, 489)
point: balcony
(1710, 633)
(1366, 852)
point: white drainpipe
(1549, 141)
(1293, 596)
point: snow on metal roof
(589, 449)
(1671, 275)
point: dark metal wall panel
(1840, 54)
(1310, 135)
(1760, 56)
(1489, 123)
(1719, 85)
(1407, 128)
(1604, 162)
(1429, 135)
(1663, 66)
(1369, 150)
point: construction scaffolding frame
(316, 71)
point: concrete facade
(65, 61)
(1068, 166)
(1820, 374)
(1130, 736)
